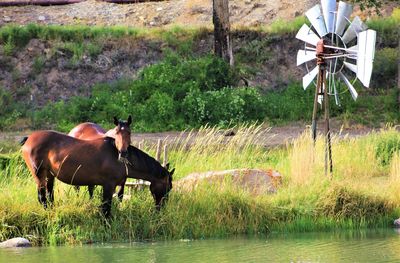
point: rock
(41, 18)
(6, 19)
(159, 9)
(16, 242)
(256, 181)
(396, 223)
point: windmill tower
(334, 46)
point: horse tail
(22, 142)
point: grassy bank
(364, 192)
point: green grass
(306, 200)
(387, 28)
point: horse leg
(42, 196)
(76, 189)
(41, 181)
(121, 191)
(50, 189)
(91, 190)
(108, 191)
(39, 175)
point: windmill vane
(349, 47)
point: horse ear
(116, 122)
(172, 172)
(129, 120)
(167, 166)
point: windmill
(334, 47)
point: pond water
(355, 246)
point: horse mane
(147, 161)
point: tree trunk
(222, 38)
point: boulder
(256, 181)
(15, 242)
(396, 223)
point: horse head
(161, 188)
(122, 137)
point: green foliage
(223, 107)
(280, 26)
(71, 33)
(254, 51)
(76, 51)
(38, 64)
(387, 29)
(9, 47)
(385, 68)
(387, 145)
(10, 110)
(341, 202)
(162, 98)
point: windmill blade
(337, 99)
(366, 53)
(352, 31)
(305, 56)
(350, 66)
(307, 79)
(315, 16)
(307, 35)
(352, 90)
(343, 17)
(329, 10)
(353, 49)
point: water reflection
(354, 246)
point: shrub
(341, 202)
(222, 107)
(160, 99)
(385, 68)
(386, 146)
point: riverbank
(363, 193)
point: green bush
(160, 99)
(10, 109)
(386, 146)
(222, 107)
(385, 68)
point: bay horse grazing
(49, 155)
(121, 133)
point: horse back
(87, 131)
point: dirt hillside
(154, 14)
(181, 12)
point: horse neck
(144, 167)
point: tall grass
(363, 192)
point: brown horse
(50, 155)
(121, 133)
